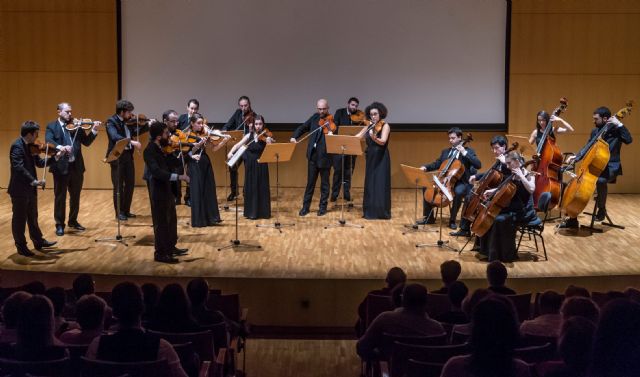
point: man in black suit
(471, 163)
(23, 190)
(616, 134)
(319, 162)
(343, 117)
(68, 171)
(241, 120)
(123, 169)
(193, 106)
(163, 204)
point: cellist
(469, 159)
(615, 136)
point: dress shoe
(322, 211)
(569, 223)
(130, 215)
(333, 199)
(25, 252)
(232, 197)
(164, 258)
(122, 217)
(77, 226)
(44, 243)
(179, 251)
(425, 220)
(453, 226)
(601, 214)
(303, 212)
(461, 233)
(59, 230)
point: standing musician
(23, 186)
(68, 171)
(499, 243)
(174, 161)
(345, 116)
(240, 120)
(117, 129)
(541, 123)
(193, 106)
(163, 204)
(319, 162)
(469, 159)
(615, 136)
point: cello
(583, 184)
(548, 161)
(451, 170)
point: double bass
(451, 170)
(596, 158)
(548, 161)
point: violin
(451, 170)
(38, 147)
(358, 118)
(378, 126)
(139, 120)
(85, 124)
(265, 134)
(327, 124)
(177, 142)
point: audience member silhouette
(497, 276)
(468, 305)
(58, 298)
(150, 295)
(90, 311)
(173, 312)
(449, 271)
(10, 315)
(580, 306)
(574, 348)
(457, 291)
(574, 290)
(549, 321)
(395, 277)
(35, 339)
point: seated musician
(469, 159)
(542, 119)
(499, 243)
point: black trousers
(123, 172)
(71, 182)
(175, 165)
(312, 177)
(233, 177)
(25, 212)
(460, 191)
(499, 243)
(601, 191)
(349, 165)
(165, 225)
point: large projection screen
(429, 61)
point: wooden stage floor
(307, 250)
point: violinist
(499, 243)
(257, 195)
(204, 202)
(239, 121)
(542, 119)
(349, 115)
(174, 162)
(469, 160)
(119, 126)
(23, 190)
(615, 137)
(68, 171)
(318, 161)
(377, 178)
(193, 106)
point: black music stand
(235, 136)
(420, 179)
(351, 131)
(236, 243)
(115, 155)
(343, 145)
(277, 152)
(440, 243)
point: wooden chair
(437, 304)
(417, 368)
(101, 368)
(51, 368)
(229, 305)
(522, 303)
(535, 354)
(402, 352)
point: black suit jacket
(157, 173)
(183, 121)
(235, 122)
(115, 132)
(470, 161)
(316, 141)
(55, 136)
(341, 118)
(23, 170)
(614, 137)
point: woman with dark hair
(173, 313)
(542, 119)
(257, 196)
(35, 338)
(494, 336)
(377, 178)
(204, 202)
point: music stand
(277, 152)
(343, 145)
(236, 136)
(352, 131)
(440, 243)
(115, 155)
(420, 178)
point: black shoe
(347, 198)
(303, 211)
(122, 217)
(333, 199)
(179, 251)
(601, 214)
(163, 258)
(59, 230)
(130, 215)
(77, 226)
(453, 226)
(25, 252)
(461, 233)
(569, 224)
(232, 197)
(187, 202)
(44, 244)
(322, 211)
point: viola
(327, 124)
(358, 117)
(139, 120)
(85, 124)
(451, 170)
(548, 161)
(177, 142)
(38, 147)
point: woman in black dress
(542, 119)
(377, 178)
(204, 202)
(257, 196)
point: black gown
(377, 181)
(257, 196)
(204, 202)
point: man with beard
(343, 117)
(163, 204)
(241, 120)
(174, 159)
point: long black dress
(257, 196)
(204, 202)
(377, 181)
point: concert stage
(308, 275)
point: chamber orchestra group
(491, 203)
